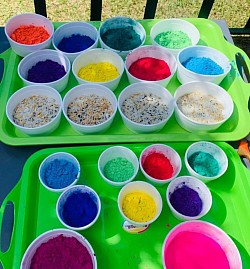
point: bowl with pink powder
(199, 244)
(58, 247)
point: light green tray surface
(211, 35)
(35, 211)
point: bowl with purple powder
(47, 67)
(188, 198)
(59, 171)
(74, 37)
(202, 63)
(57, 248)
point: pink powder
(192, 250)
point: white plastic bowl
(46, 236)
(171, 25)
(86, 90)
(95, 56)
(152, 51)
(185, 75)
(206, 88)
(32, 59)
(70, 28)
(147, 88)
(28, 19)
(27, 92)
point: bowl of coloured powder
(205, 160)
(35, 110)
(59, 248)
(90, 108)
(29, 32)
(160, 163)
(202, 63)
(188, 198)
(59, 171)
(150, 63)
(121, 35)
(118, 165)
(78, 207)
(74, 37)
(47, 67)
(202, 106)
(199, 244)
(100, 66)
(145, 107)
(139, 203)
(174, 34)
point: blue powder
(59, 173)
(79, 209)
(75, 43)
(203, 65)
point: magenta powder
(62, 252)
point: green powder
(204, 164)
(173, 39)
(118, 169)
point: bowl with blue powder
(59, 171)
(202, 63)
(206, 161)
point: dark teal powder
(204, 164)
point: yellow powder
(139, 206)
(99, 72)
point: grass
(235, 12)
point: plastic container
(58, 156)
(67, 193)
(95, 56)
(185, 75)
(28, 19)
(156, 52)
(77, 28)
(87, 90)
(211, 149)
(27, 92)
(121, 22)
(146, 88)
(195, 184)
(113, 153)
(169, 153)
(172, 25)
(32, 59)
(206, 88)
(206, 229)
(46, 236)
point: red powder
(158, 166)
(191, 250)
(62, 252)
(150, 69)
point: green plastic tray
(234, 129)
(34, 211)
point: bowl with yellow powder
(174, 35)
(202, 106)
(139, 203)
(100, 66)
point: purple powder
(186, 201)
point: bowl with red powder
(29, 32)
(199, 244)
(150, 63)
(160, 163)
(47, 67)
(188, 198)
(59, 249)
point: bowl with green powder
(206, 161)
(118, 165)
(174, 35)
